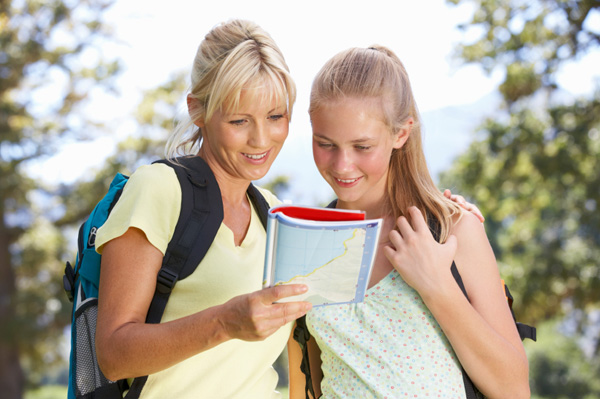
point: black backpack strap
(260, 204)
(302, 336)
(471, 390)
(199, 220)
(525, 331)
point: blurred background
(509, 92)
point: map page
(333, 258)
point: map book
(330, 250)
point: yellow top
(151, 202)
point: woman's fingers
(463, 203)
(255, 316)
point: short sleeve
(272, 200)
(151, 202)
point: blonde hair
(234, 56)
(376, 73)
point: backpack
(302, 335)
(199, 220)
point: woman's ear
(403, 134)
(195, 111)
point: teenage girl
(415, 328)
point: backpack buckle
(69, 281)
(165, 281)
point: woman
(221, 343)
(415, 328)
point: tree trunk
(11, 375)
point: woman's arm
(482, 332)
(128, 347)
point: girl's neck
(374, 210)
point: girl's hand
(255, 316)
(460, 200)
(421, 261)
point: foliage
(534, 171)
(528, 40)
(47, 392)
(559, 367)
(49, 63)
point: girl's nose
(342, 161)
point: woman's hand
(255, 316)
(460, 200)
(421, 261)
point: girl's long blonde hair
(377, 73)
(233, 56)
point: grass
(60, 392)
(47, 392)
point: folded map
(330, 250)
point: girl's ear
(403, 134)
(195, 111)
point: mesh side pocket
(88, 376)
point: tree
(44, 81)
(533, 168)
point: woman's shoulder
(154, 179)
(269, 196)
(153, 171)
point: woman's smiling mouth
(255, 156)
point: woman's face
(352, 147)
(243, 144)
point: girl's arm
(128, 347)
(482, 332)
(297, 388)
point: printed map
(331, 268)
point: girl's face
(244, 143)
(352, 147)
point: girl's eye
(324, 145)
(276, 117)
(237, 122)
(363, 147)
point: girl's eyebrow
(357, 141)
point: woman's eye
(276, 117)
(363, 147)
(237, 122)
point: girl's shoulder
(465, 224)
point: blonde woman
(220, 333)
(415, 328)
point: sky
(158, 39)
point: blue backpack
(199, 220)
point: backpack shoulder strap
(199, 220)
(260, 203)
(471, 390)
(302, 336)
